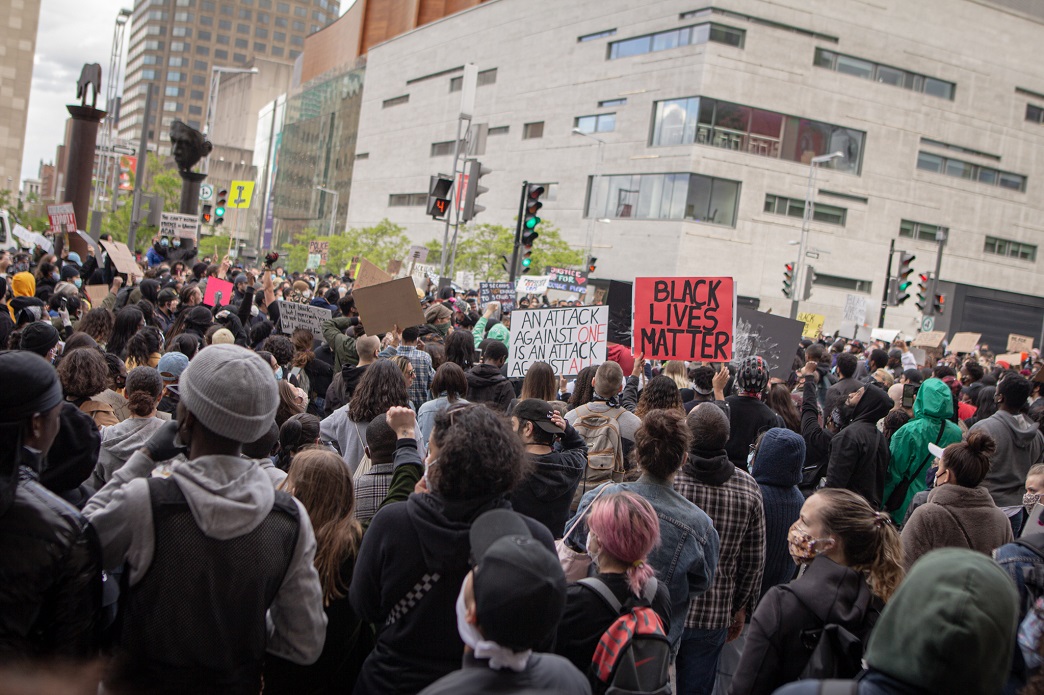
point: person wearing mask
(166, 308)
(950, 628)
(838, 392)
(1020, 444)
(859, 453)
(776, 468)
(372, 486)
(909, 455)
(415, 555)
(850, 560)
(451, 385)
(500, 331)
(959, 513)
(344, 382)
(143, 391)
(486, 383)
(733, 501)
(84, 374)
(748, 414)
(440, 318)
(50, 603)
(546, 492)
(41, 338)
(272, 603)
(687, 558)
(509, 605)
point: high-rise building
(17, 49)
(174, 44)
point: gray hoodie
(228, 496)
(118, 442)
(1020, 444)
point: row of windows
(673, 38)
(971, 172)
(885, 74)
(795, 207)
(403, 200)
(664, 197)
(485, 77)
(1010, 249)
(600, 123)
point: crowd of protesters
(195, 497)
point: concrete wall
(17, 48)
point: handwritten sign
(122, 258)
(1019, 343)
(964, 342)
(679, 318)
(214, 286)
(417, 254)
(367, 274)
(503, 292)
(569, 339)
(813, 324)
(389, 304)
(566, 279)
(932, 339)
(532, 285)
(855, 309)
(293, 316)
(96, 294)
(319, 247)
(62, 218)
(179, 225)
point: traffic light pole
(513, 269)
(888, 277)
(933, 290)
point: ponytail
(637, 574)
(627, 529)
(886, 569)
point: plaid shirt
(370, 490)
(738, 514)
(420, 389)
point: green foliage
(480, 247)
(378, 244)
(165, 181)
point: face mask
(56, 277)
(279, 374)
(177, 243)
(469, 634)
(78, 282)
(593, 554)
(443, 329)
(803, 547)
(1030, 500)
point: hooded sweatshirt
(1020, 444)
(859, 453)
(777, 471)
(933, 409)
(118, 443)
(487, 385)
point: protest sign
(964, 342)
(1019, 343)
(319, 247)
(179, 225)
(215, 285)
(503, 292)
(920, 355)
(855, 309)
(394, 267)
(122, 258)
(618, 297)
(888, 335)
(417, 254)
(566, 279)
(932, 339)
(568, 339)
(293, 315)
(96, 294)
(774, 338)
(313, 261)
(532, 285)
(684, 318)
(27, 238)
(813, 324)
(1014, 359)
(367, 274)
(389, 304)
(422, 273)
(62, 218)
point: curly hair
(83, 374)
(143, 345)
(460, 349)
(660, 393)
(479, 454)
(280, 347)
(98, 324)
(382, 386)
(144, 387)
(661, 442)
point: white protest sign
(568, 338)
(534, 285)
(24, 234)
(293, 316)
(421, 272)
(179, 225)
(855, 309)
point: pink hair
(628, 530)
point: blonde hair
(677, 371)
(885, 377)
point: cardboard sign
(855, 309)
(389, 304)
(920, 355)
(1019, 343)
(122, 258)
(568, 338)
(774, 338)
(888, 335)
(62, 218)
(96, 294)
(179, 225)
(566, 279)
(366, 274)
(503, 292)
(964, 342)
(813, 324)
(532, 285)
(932, 339)
(293, 316)
(394, 267)
(684, 318)
(319, 247)
(215, 285)
(1014, 359)
(418, 254)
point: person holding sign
(498, 331)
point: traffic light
(527, 259)
(922, 292)
(903, 276)
(939, 304)
(219, 209)
(532, 206)
(788, 280)
(205, 217)
(473, 190)
(438, 195)
(592, 263)
(810, 278)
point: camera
(270, 258)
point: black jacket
(748, 417)
(817, 440)
(774, 653)
(487, 385)
(859, 452)
(342, 386)
(837, 393)
(546, 493)
(545, 673)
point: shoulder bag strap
(928, 459)
(959, 525)
(598, 586)
(579, 518)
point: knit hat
(240, 278)
(781, 453)
(437, 312)
(39, 337)
(222, 336)
(171, 365)
(69, 272)
(753, 375)
(230, 390)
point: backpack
(633, 654)
(605, 459)
(835, 652)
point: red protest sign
(684, 318)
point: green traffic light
(904, 285)
(219, 211)
(526, 262)
(532, 222)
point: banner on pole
(568, 339)
(684, 318)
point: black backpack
(633, 656)
(836, 653)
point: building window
(876, 72)
(225, 25)
(242, 43)
(181, 31)
(183, 17)
(219, 54)
(279, 36)
(196, 94)
(405, 200)
(685, 36)
(602, 123)
(498, 130)
(296, 41)
(841, 283)
(612, 102)
(484, 77)
(277, 51)
(395, 101)
(300, 12)
(297, 26)
(1034, 114)
(262, 18)
(203, 51)
(441, 149)
(596, 35)
(282, 22)
(171, 106)
(177, 62)
(283, 7)
(532, 131)
(173, 91)
(195, 110)
(179, 47)
(795, 207)
(242, 28)
(704, 121)
(206, 20)
(956, 168)
(239, 58)
(260, 47)
(918, 230)
(175, 76)
(199, 80)
(226, 9)
(244, 13)
(1011, 249)
(222, 40)
(664, 197)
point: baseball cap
(171, 365)
(519, 585)
(539, 412)
(935, 450)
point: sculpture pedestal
(79, 170)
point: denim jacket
(687, 556)
(1025, 567)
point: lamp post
(333, 212)
(589, 242)
(806, 219)
(216, 71)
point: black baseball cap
(518, 582)
(539, 412)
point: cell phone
(910, 394)
(65, 303)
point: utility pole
(139, 176)
(469, 83)
(933, 288)
(888, 279)
(513, 269)
(800, 268)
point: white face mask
(469, 634)
(499, 657)
(593, 554)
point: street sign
(206, 191)
(179, 225)
(240, 193)
(927, 324)
(812, 254)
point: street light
(215, 83)
(333, 212)
(589, 243)
(799, 267)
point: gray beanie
(231, 391)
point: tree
(378, 244)
(481, 249)
(160, 180)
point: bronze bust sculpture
(188, 145)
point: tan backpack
(605, 459)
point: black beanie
(39, 337)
